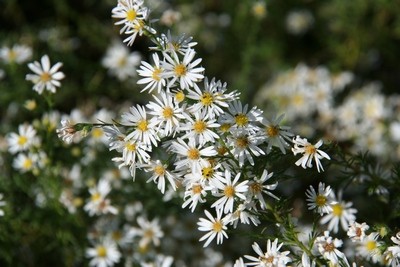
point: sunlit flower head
(271, 258)
(214, 226)
(103, 254)
(320, 201)
(310, 152)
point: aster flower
(322, 201)
(25, 162)
(229, 191)
(243, 215)
(120, 62)
(328, 247)
(272, 257)
(127, 12)
(23, 140)
(98, 202)
(240, 117)
(276, 135)
(159, 174)
(216, 227)
(200, 128)
(369, 248)
(103, 254)
(392, 253)
(356, 231)
(149, 232)
(170, 43)
(16, 54)
(310, 152)
(184, 71)
(195, 193)
(342, 212)
(153, 75)
(45, 77)
(257, 188)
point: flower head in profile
(272, 257)
(45, 76)
(310, 152)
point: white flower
(179, 44)
(257, 188)
(98, 203)
(159, 174)
(128, 12)
(144, 129)
(239, 263)
(67, 131)
(356, 231)
(104, 254)
(341, 213)
(148, 232)
(215, 227)
(243, 214)
(194, 194)
(321, 201)
(240, 117)
(310, 152)
(271, 258)
(23, 140)
(392, 253)
(328, 247)
(200, 128)
(166, 114)
(120, 62)
(153, 75)
(185, 72)
(229, 191)
(45, 77)
(369, 248)
(276, 135)
(24, 162)
(18, 54)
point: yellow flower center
(217, 226)
(27, 164)
(320, 200)
(370, 245)
(225, 127)
(199, 126)
(131, 146)
(45, 77)
(131, 15)
(159, 170)
(122, 62)
(207, 172)
(267, 260)
(96, 197)
(310, 149)
(22, 140)
(180, 96)
(101, 251)
(12, 55)
(193, 154)
(337, 210)
(156, 75)
(256, 188)
(168, 112)
(241, 119)
(148, 233)
(142, 125)
(229, 191)
(272, 130)
(196, 189)
(180, 70)
(207, 99)
(242, 142)
(97, 132)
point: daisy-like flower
(193, 155)
(356, 231)
(18, 54)
(328, 247)
(144, 129)
(45, 77)
(392, 253)
(98, 203)
(240, 117)
(310, 152)
(195, 193)
(149, 232)
(342, 212)
(243, 145)
(213, 98)
(153, 75)
(216, 227)
(185, 72)
(200, 128)
(243, 214)
(120, 62)
(103, 254)
(25, 162)
(166, 114)
(369, 249)
(179, 44)
(23, 140)
(276, 135)
(271, 258)
(159, 174)
(322, 201)
(127, 12)
(2, 204)
(257, 188)
(229, 191)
